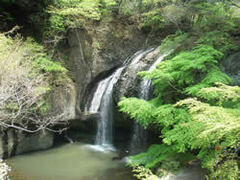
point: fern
(200, 115)
(137, 108)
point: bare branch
(22, 91)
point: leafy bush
(25, 78)
(75, 13)
(195, 108)
(173, 41)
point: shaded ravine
(102, 102)
(139, 138)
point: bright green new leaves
(210, 125)
(214, 75)
(40, 59)
(140, 109)
(191, 125)
(155, 154)
(196, 109)
(185, 72)
(66, 14)
(221, 94)
(78, 8)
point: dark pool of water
(69, 162)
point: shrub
(24, 85)
(195, 108)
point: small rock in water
(121, 155)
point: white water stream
(102, 102)
(139, 137)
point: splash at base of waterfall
(101, 148)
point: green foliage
(202, 16)
(173, 41)
(216, 15)
(66, 14)
(214, 75)
(26, 78)
(167, 116)
(221, 94)
(229, 166)
(77, 8)
(7, 2)
(141, 109)
(46, 64)
(161, 157)
(189, 71)
(56, 23)
(196, 109)
(40, 59)
(191, 125)
(152, 19)
(153, 156)
(210, 125)
(143, 173)
(219, 39)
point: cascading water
(145, 85)
(104, 130)
(102, 102)
(139, 137)
(96, 101)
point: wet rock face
(63, 101)
(33, 142)
(14, 142)
(94, 53)
(128, 85)
(231, 66)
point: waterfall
(96, 101)
(102, 102)
(145, 85)
(104, 129)
(139, 137)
